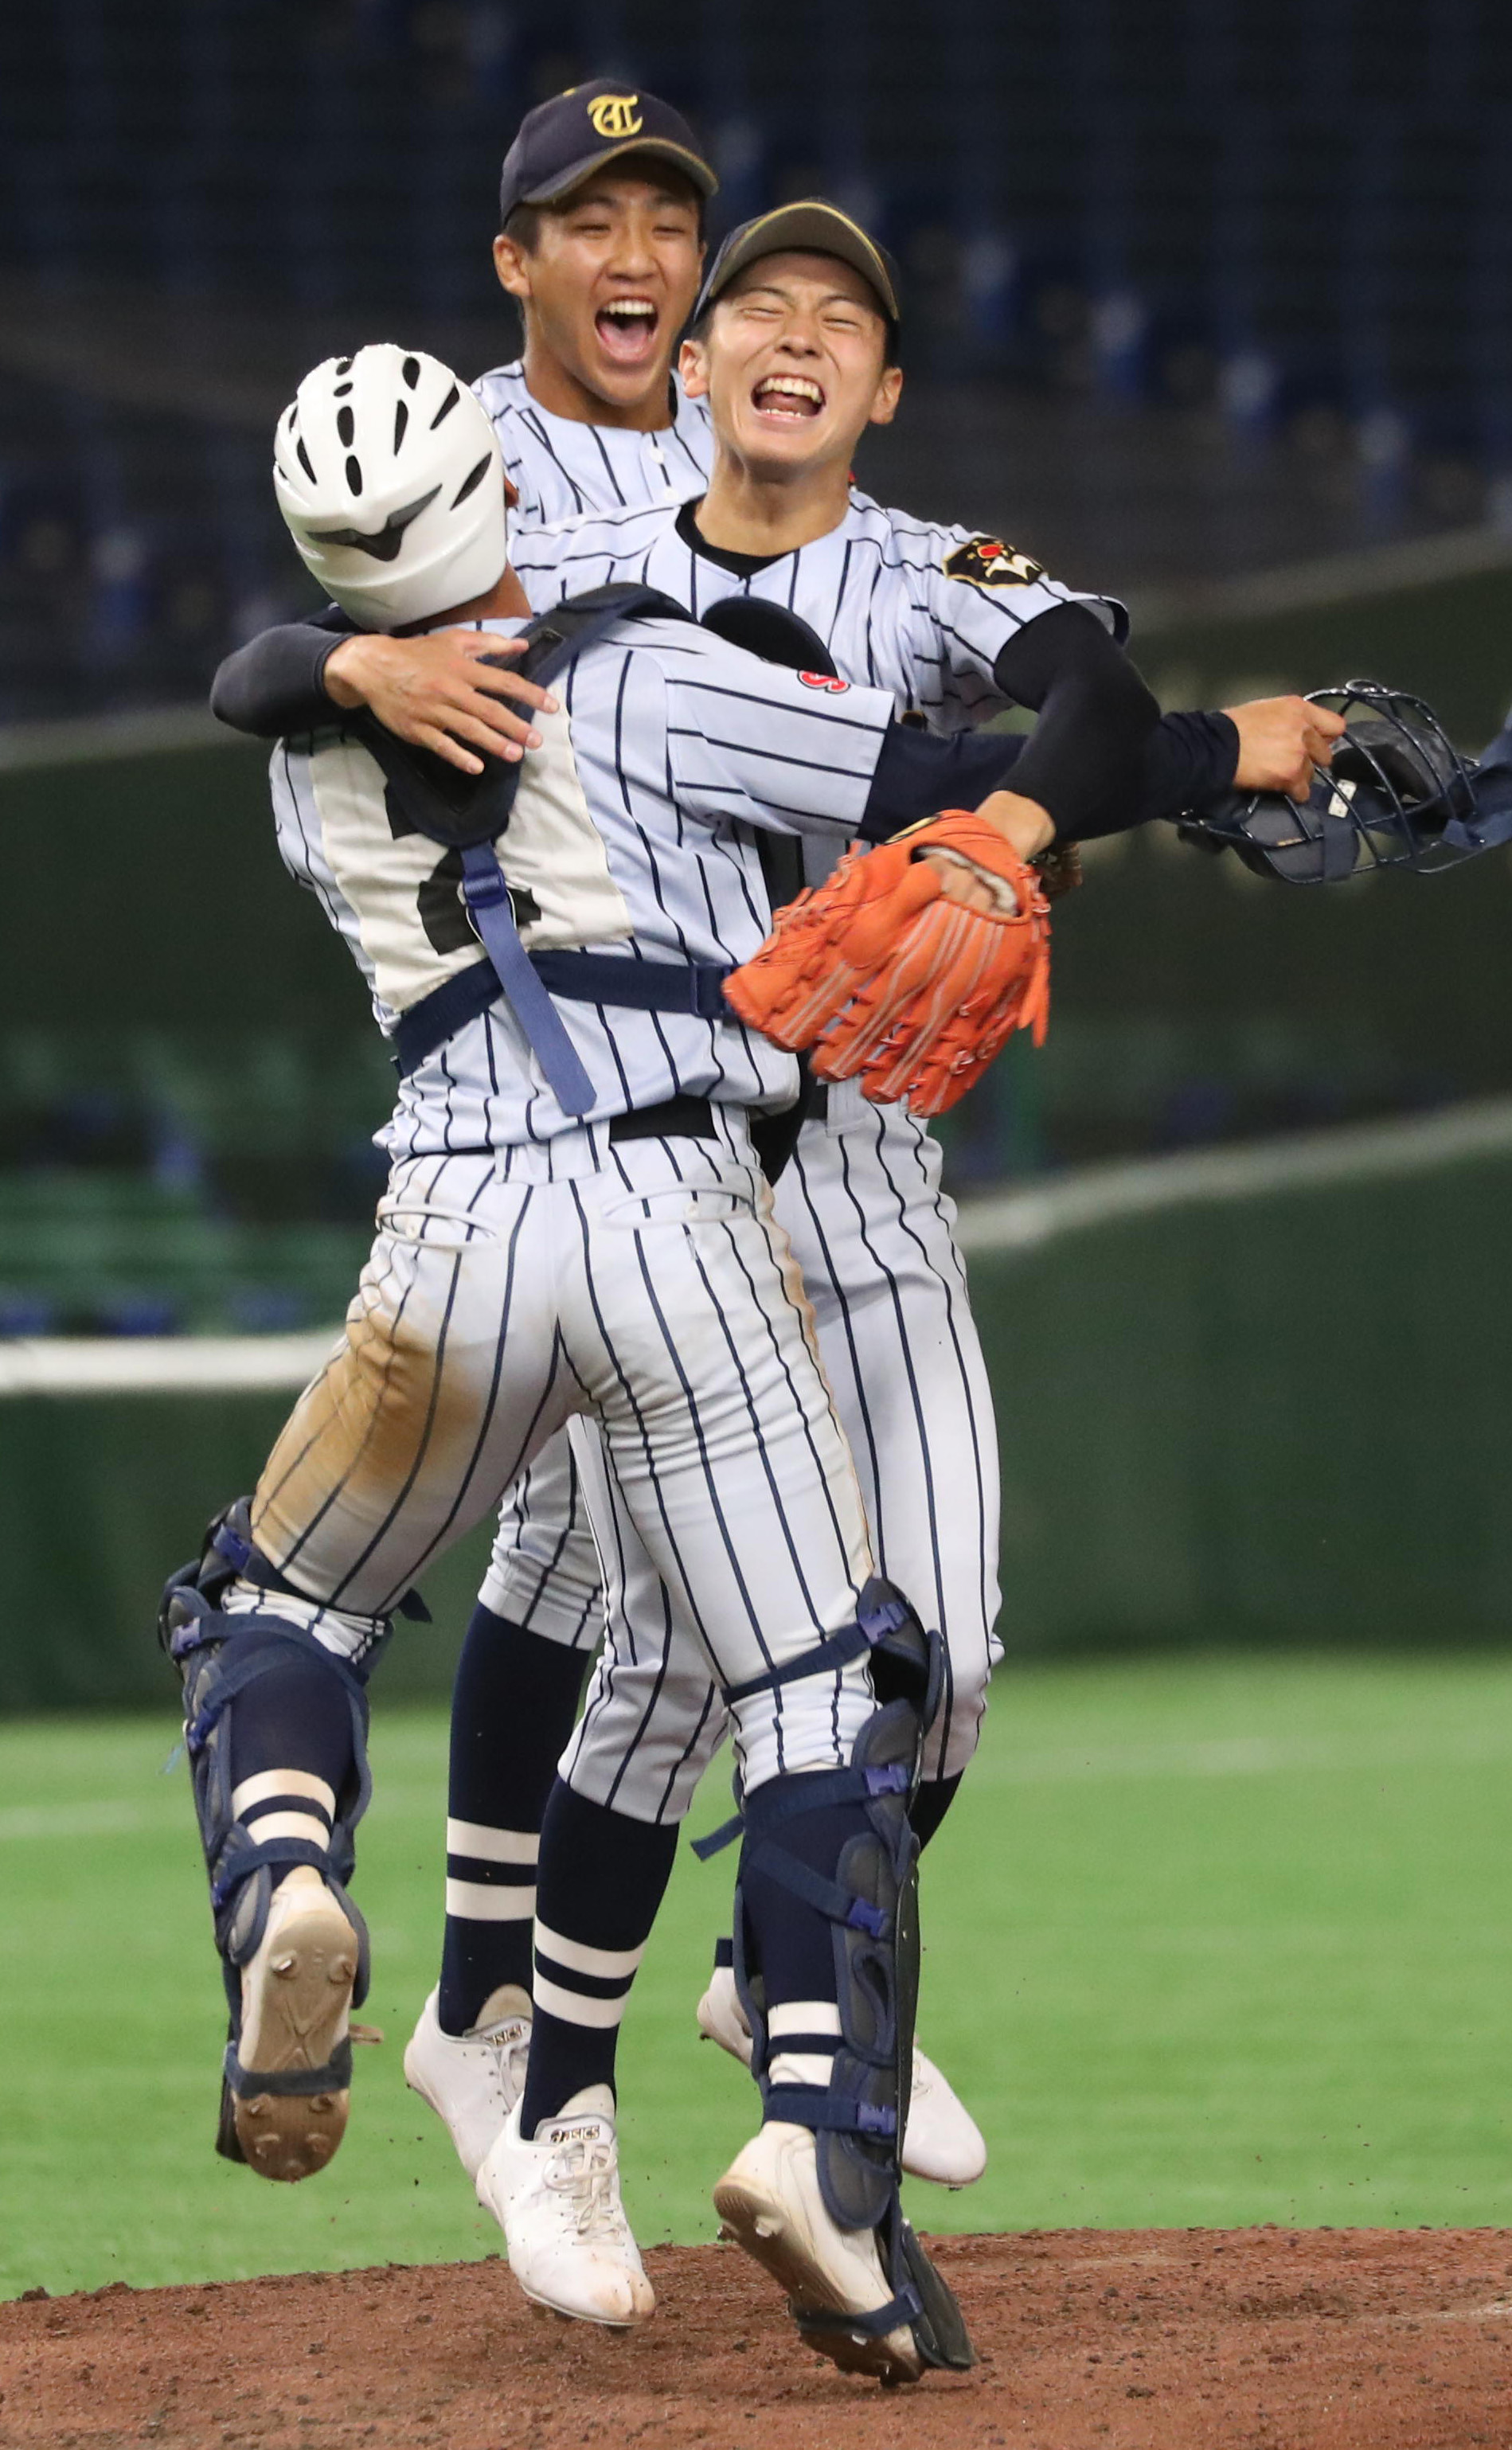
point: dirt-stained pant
(645, 1284)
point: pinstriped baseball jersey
(919, 610)
(922, 611)
(558, 467)
(630, 835)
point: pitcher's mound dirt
(1090, 2340)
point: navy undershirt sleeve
(1095, 712)
(1187, 760)
(273, 683)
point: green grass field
(1206, 1942)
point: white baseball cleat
(295, 2011)
(941, 2140)
(557, 2201)
(473, 2080)
(768, 2202)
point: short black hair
(524, 224)
(892, 355)
(524, 227)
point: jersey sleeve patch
(826, 681)
(985, 562)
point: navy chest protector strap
(468, 812)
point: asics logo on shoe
(586, 2131)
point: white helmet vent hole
(411, 372)
(446, 407)
(345, 426)
(401, 418)
(343, 365)
(472, 480)
(354, 475)
(305, 461)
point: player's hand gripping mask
(1397, 794)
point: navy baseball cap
(810, 228)
(563, 142)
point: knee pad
(871, 1902)
(218, 1657)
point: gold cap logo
(615, 115)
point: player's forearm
(1096, 714)
(1188, 760)
(274, 683)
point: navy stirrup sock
(514, 1706)
(602, 1879)
(291, 1751)
(794, 1943)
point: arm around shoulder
(276, 682)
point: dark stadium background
(1208, 304)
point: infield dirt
(1088, 2340)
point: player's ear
(512, 264)
(693, 368)
(885, 407)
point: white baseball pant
(872, 1230)
(644, 1283)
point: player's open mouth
(787, 398)
(627, 329)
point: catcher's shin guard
(871, 1901)
(218, 1657)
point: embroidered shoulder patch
(987, 562)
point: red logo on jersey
(824, 681)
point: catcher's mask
(1398, 794)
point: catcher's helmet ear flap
(1395, 783)
(389, 478)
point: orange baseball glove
(881, 974)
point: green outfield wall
(1280, 1416)
(1236, 1412)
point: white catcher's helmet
(390, 481)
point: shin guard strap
(335, 2076)
(827, 1896)
(241, 1856)
(230, 1542)
(899, 2314)
(817, 2107)
(873, 1622)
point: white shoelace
(506, 2047)
(583, 2171)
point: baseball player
(861, 1200)
(575, 1222)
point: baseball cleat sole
(761, 2223)
(296, 2000)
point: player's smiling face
(793, 363)
(610, 282)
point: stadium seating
(1300, 219)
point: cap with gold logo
(563, 142)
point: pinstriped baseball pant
(646, 1285)
(862, 1207)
